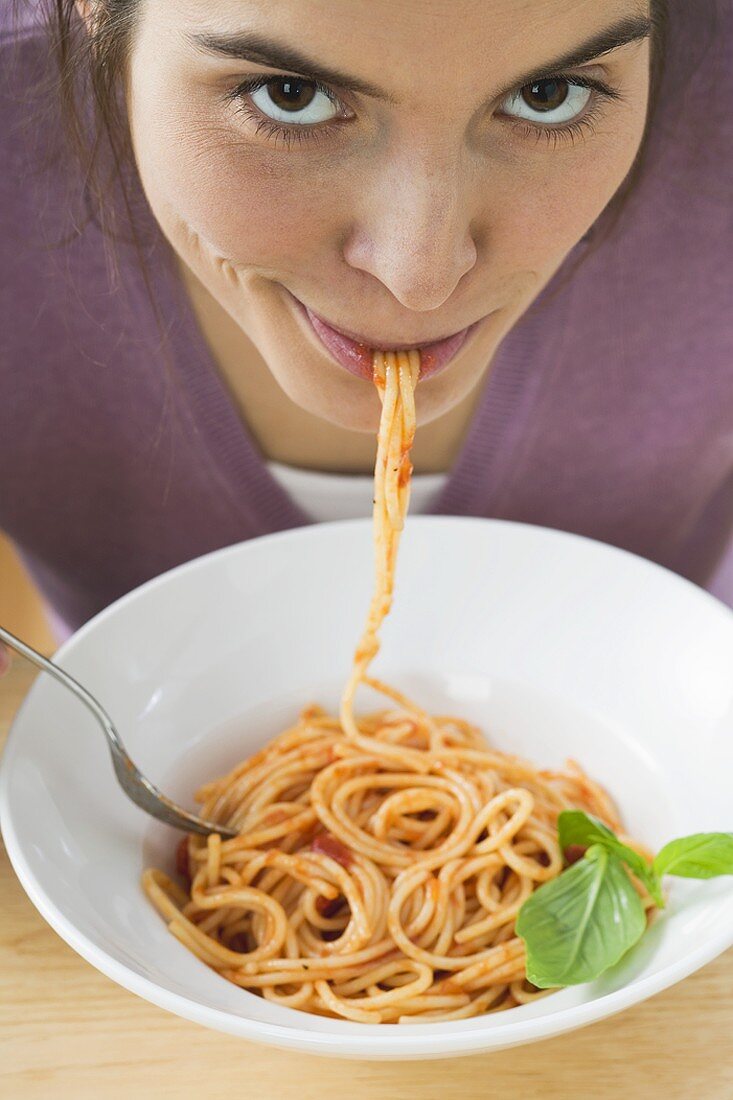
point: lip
(355, 353)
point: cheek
(551, 196)
(250, 207)
(546, 211)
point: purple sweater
(608, 410)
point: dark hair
(89, 68)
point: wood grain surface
(67, 1031)
(21, 608)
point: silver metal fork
(133, 782)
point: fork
(133, 782)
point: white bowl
(556, 645)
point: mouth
(355, 353)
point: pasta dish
(382, 859)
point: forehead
(396, 44)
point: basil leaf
(576, 827)
(702, 855)
(580, 923)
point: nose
(413, 230)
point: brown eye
(545, 95)
(548, 101)
(291, 94)
(295, 100)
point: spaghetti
(381, 860)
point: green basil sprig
(702, 855)
(582, 922)
(576, 828)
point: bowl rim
(371, 1039)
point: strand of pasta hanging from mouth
(395, 376)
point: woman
(213, 212)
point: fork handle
(63, 678)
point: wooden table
(67, 1031)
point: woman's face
(402, 168)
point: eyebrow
(248, 46)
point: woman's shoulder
(29, 114)
(19, 17)
(25, 60)
(693, 125)
(39, 176)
